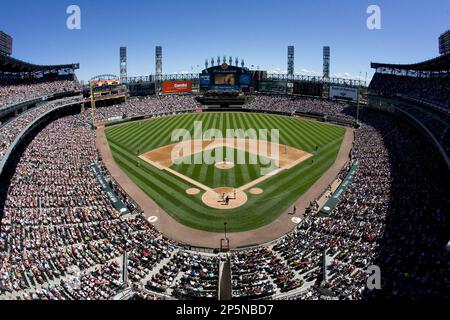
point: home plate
(296, 220)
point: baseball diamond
(198, 151)
(136, 148)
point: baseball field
(245, 194)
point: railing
(427, 132)
(271, 76)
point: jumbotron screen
(225, 79)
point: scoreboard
(345, 93)
(225, 78)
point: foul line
(274, 173)
(225, 143)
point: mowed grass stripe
(242, 175)
(117, 132)
(168, 199)
(326, 132)
(316, 135)
(308, 139)
(229, 178)
(189, 170)
(154, 135)
(254, 123)
(201, 171)
(280, 191)
(328, 152)
(135, 129)
(125, 155)
(215, 174)
(140, 130)
(296, 173)
(163, 135)
(287, 134)
(292, 183)
(165, 188)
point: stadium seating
(9, 131)
(434, 89)
(151, 105)
(11, 94)
(56, 217)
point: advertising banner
(177, 87)
(343, 93)
(275, 86)
(334, 200)
(205, 80)
(117, 203)
(245, 80)
(109, 82)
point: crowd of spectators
(151, 105)
(10, 131)
(56, 217)
(392, 215)
(11, 94)
(426, 99)
(102, 283)
(431, 89)
(436, 122)
(199, 276)
(261, 273)
(290, 104)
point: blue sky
(257, 30)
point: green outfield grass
(212, 177)
(280, 192)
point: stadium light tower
(326, 62)
(123, 64)
(212, 62)
(326, 71)
(206, 64)
(158, 61)
(291, 60)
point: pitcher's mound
(224, 165)
(192, 191)
(256, 191)
(217, 198)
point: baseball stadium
(231, 183)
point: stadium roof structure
(438, 64)
(12, 65)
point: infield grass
(213, 177)
(130, 140)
